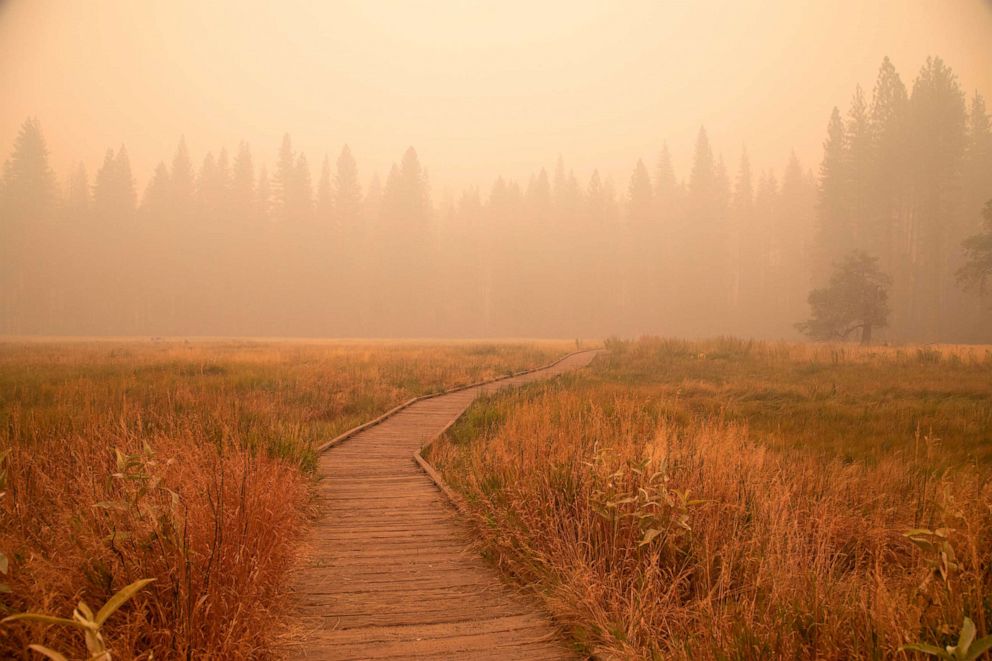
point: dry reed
(658, 531)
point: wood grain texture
(388, 572)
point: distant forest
(233, 248)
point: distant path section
(390, 574)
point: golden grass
(585, 490)
(209, 492)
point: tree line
(226, 247)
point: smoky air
(441, 170)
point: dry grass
(210, 489)
(585, 489)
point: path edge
(454, 498)
(344, 436)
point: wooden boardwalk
(389, 572)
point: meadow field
(728, 499)
(190, 463)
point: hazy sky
(479, 87)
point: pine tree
(372, 205)
(183, 184)
(243, 187)
(666, 234)
(859, 158)
(406, 200)
(937, 126)
(155, 203)
(28, 186)
(596, 200)
(886, 226)
(976, 272)
(323, 210)
(834, 233)
(114, 197)
(559, 189)
(263, 198)
(302, 199)
(347, 191)
(793, 236)
(212, 191)
(224, 204)
(746, 240)
(538, 197)
(640, 198)
(283, 182)
(76, 206)
(978, 161)
(667, 190)
(856, 298)
(705, 250)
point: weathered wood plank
(388, 572)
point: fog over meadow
(445, 169)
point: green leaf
(94, 644)
(966, 637)
(119, 599)
(979, 647)
(47, 651)
(925, 545)
(916, 532)
(649, 536)
(923, 648)
(85, 612)
(44, 619)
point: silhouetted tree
(183, 183)
(856, 298)
(887, 180)
(157, 200)
(263, 197)
(302, 189)
(243, 202)
(114, 198)
(977, 269)
(213, 189)
(640, 200)
(937, 126)
(28, 187)
(859, 160)
(835, 234)
(323, 205)
(27, 204)
(283, 181)
(703, 242)
(372, 204)
(744, 238)
(791, 239)
(347, 191)
(77, 201)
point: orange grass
(210, 492)
(585, 490)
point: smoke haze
(440, 168)
(479, 88)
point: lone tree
(857, 297)
(977, 269)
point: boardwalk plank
(390, 573)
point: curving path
(390, 574)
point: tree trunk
(866, 334)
